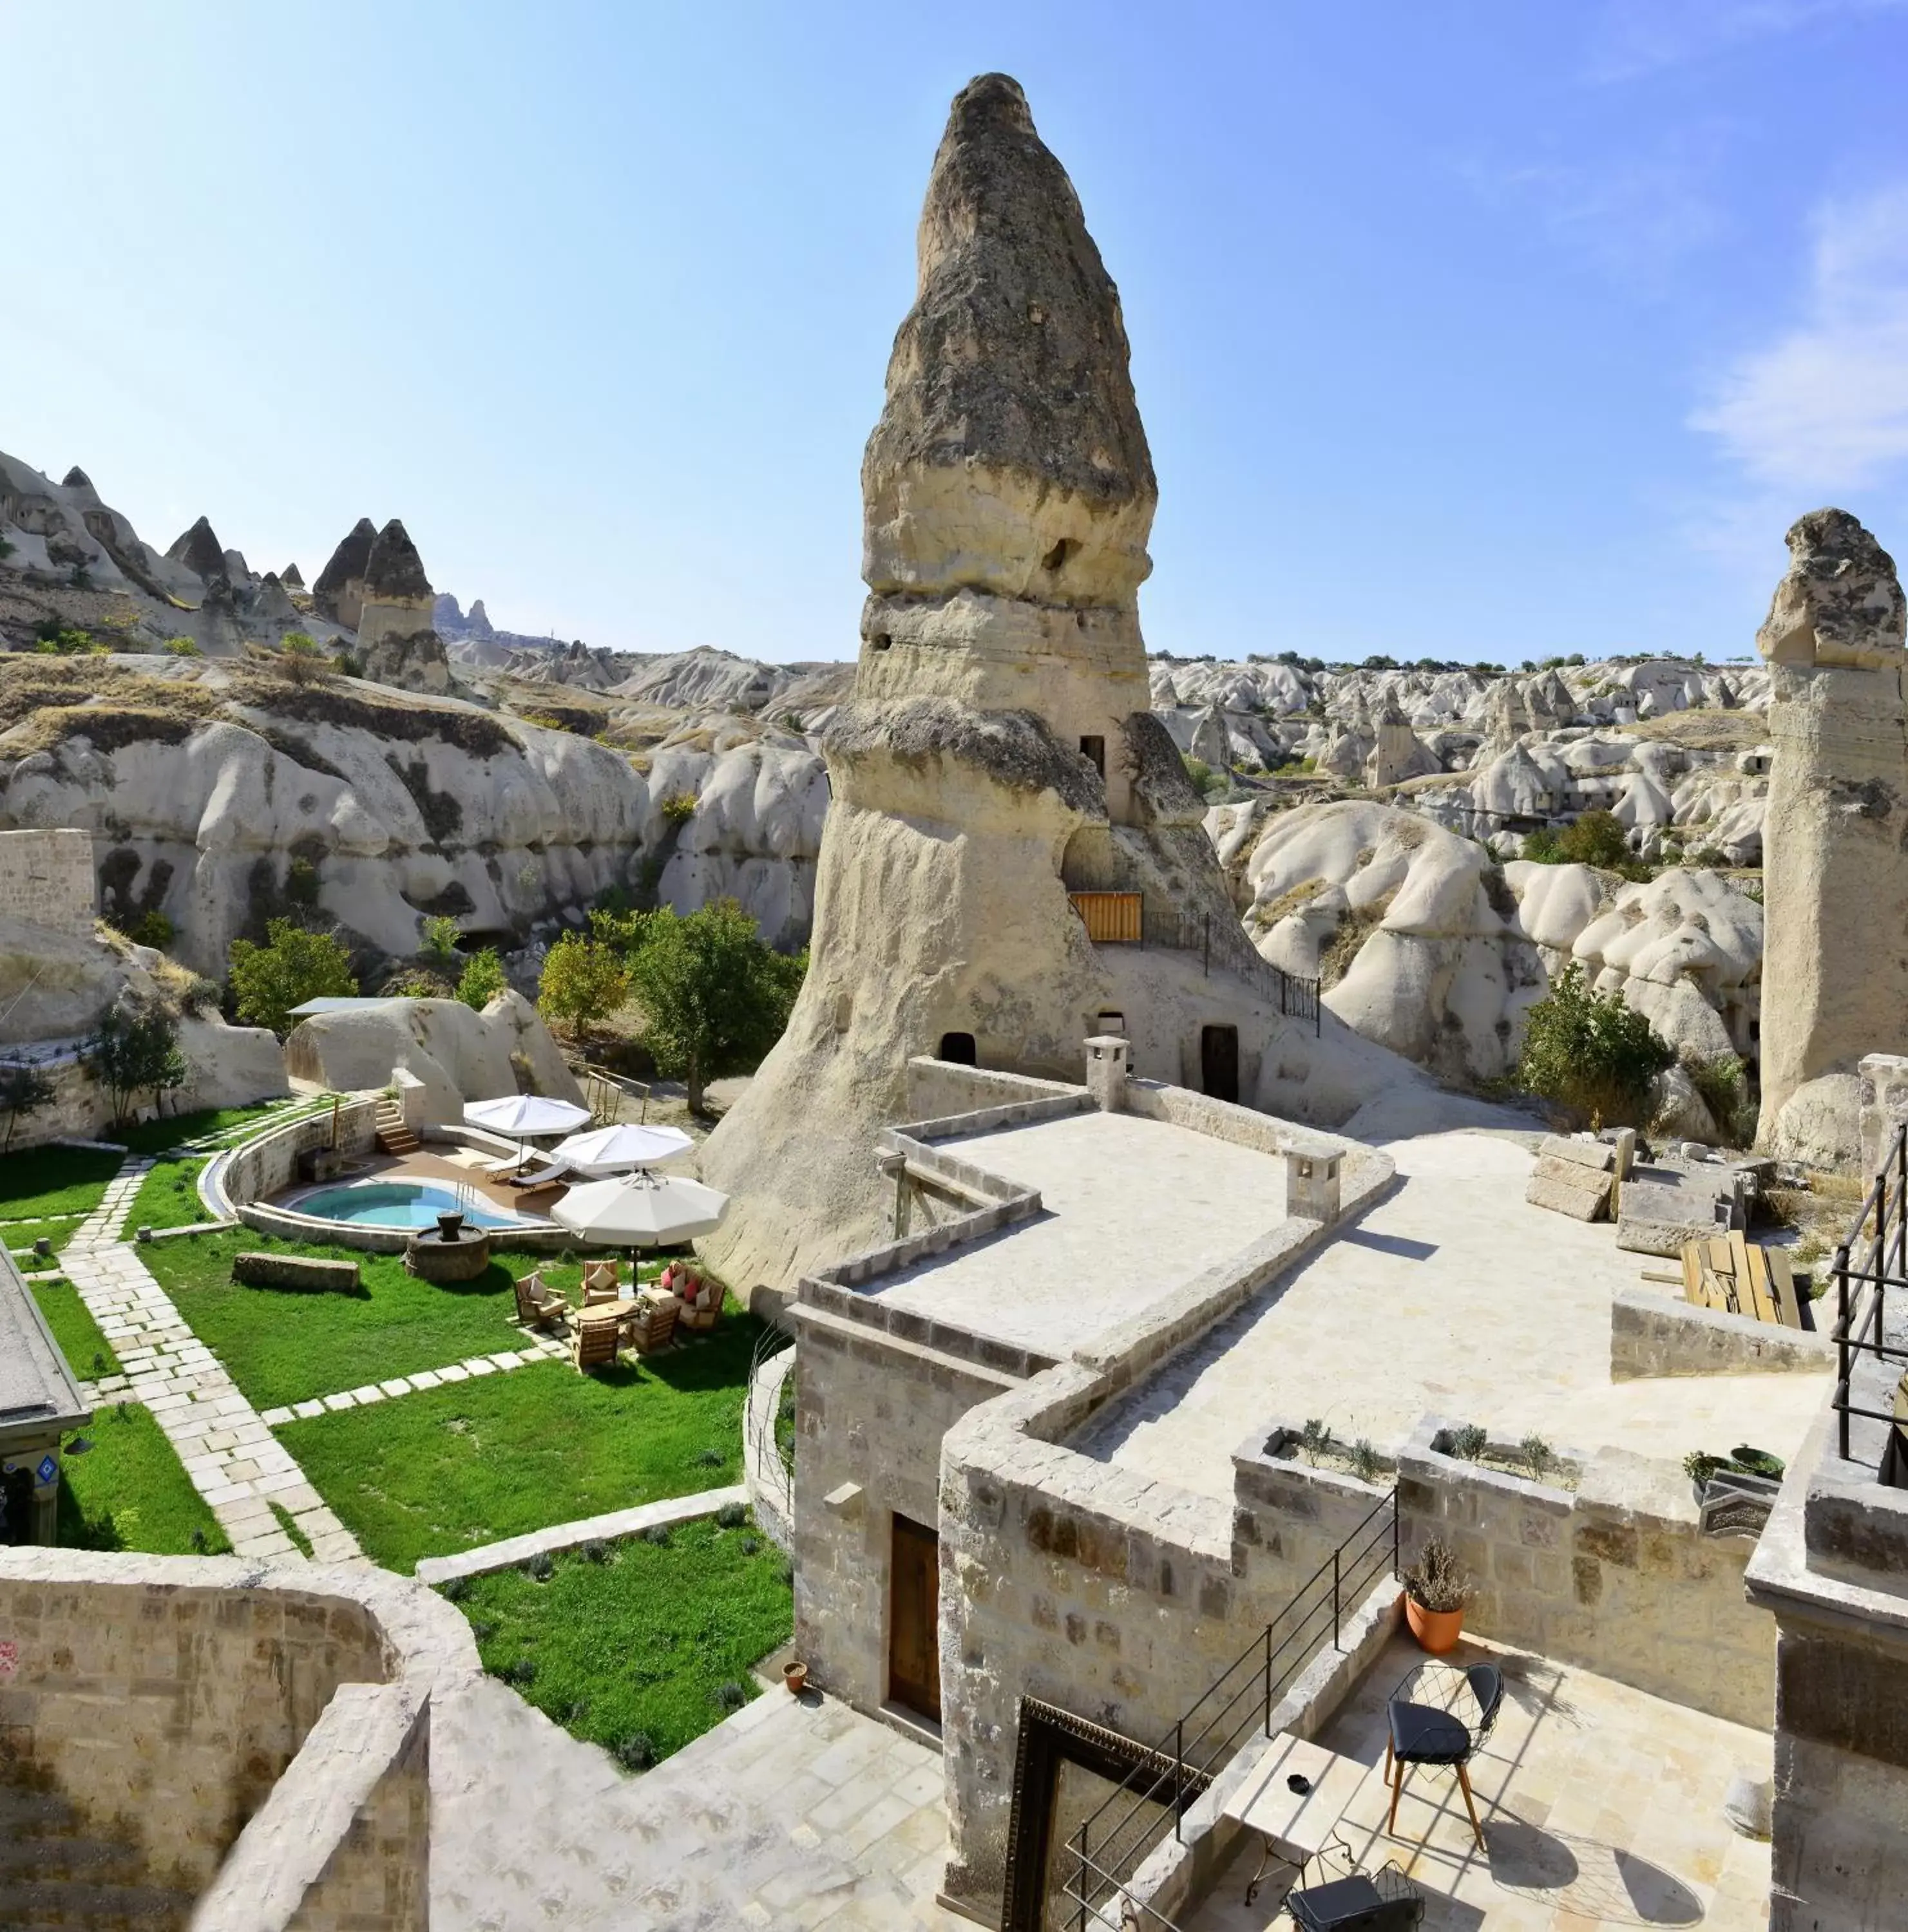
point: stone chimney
(1107, 1063)
(1312, 1181)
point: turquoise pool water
(397, 1203)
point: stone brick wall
(1616, 1577)
(938, 1087)
(47, 878)
(170, 1708)
(263, 1166)
(1659, 1335)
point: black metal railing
(1862, 1323)
(1223, 942)
(1111, 1845)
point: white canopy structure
(646, 1210)
(612, 1149)
(525, 1114)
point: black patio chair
(1386, 1901)
(1423, 1734)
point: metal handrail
(1863, 1330)
(1105, 1854)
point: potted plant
(1436, 1588)
(794, 1675)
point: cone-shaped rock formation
(338, 596)
(199, 550)
(395, 631)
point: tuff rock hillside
(1369, 821)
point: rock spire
(396, 627)
(200, 551)
(1834, 836)
(338, 596)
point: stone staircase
(393, 1136)
(56, 1872)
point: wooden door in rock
(914, 1619)
(1218, 1062)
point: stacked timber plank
(1579, 1177)
(1737, 1276)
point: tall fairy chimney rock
(396, 631)
(1835, 837)
(1008, 491)
(338, 596)
(198, 549)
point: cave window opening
(1056, 559)
(879, 641)
(1094, 750)
(958, 1048)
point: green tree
(1597, 838)
(715, 996)
(301, 657)
(24, 1090)
(292, 967)
(483, 979)
(438, 943)
(154, 929)
(1591, 1054)
(583, 981)
(136, 1049)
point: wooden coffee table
(1296, 1826)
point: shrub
(1597, 838)
(1315, 1438)
(677, 809)
(1469, 1442)
(62, 640)
(154, 929)
(1437, 1582)
(1723, 1083)
(583, 981)
(181, 647)
(598, 1550)
(657, 1533)
(730, 1516)
(1366, 1462)
(301, 657)
(636, 1752)
(1197, 769)
(456, 1590)
(301, 883)
(730, 1696)
(292, 967)
(437, 941)
(707, 1459)
(1538, 1456)
(1591, 1054)
(541, 1567)
(201, 995)
(483, 978)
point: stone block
(1565, 1188)
(1599, 1156)
(303, 1273)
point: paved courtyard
(791, 1814)
(1455, 1297)
(1133, 1209)
(1602, 1807)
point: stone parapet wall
(1659, 1335)
(262, 1729)
(938, 1087)
(1616, 1578)
(771, 1487)
(47, 878)
(343, 1843)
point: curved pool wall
(411, 1205)
(234, 1186)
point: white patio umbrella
(646, 1210)
(610, 1150)
(523, 1114)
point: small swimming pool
(398, 1204)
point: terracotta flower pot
(1437, 1631)
(794, 1676)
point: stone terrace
(1452, 1297)
(1132, 1209)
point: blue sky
(1482, 330)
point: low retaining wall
(269, 1164)
(1659, 1335)
(771, 1488)
(512, 1550)
(1617, 1578)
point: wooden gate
(1113, 918)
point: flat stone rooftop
(1452, 1297)
(1132, 1209)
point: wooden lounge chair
(539, 1305)
(593, 1343)
(702, 1302)
(601, 1282)
(653, 1325)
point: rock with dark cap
(396, 627)
(339, 594)
(200, 551)
(75, 478)
(291, 578)
(1009, 455)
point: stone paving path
(545, 1349)
(226, 1445)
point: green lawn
(21, 1235)
(129, 1492)
(282, 1347)
(169, 1196)
(156, 1136)
(638, 1646)
(53, 1181)
(448, 1469)
(76, 1331)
